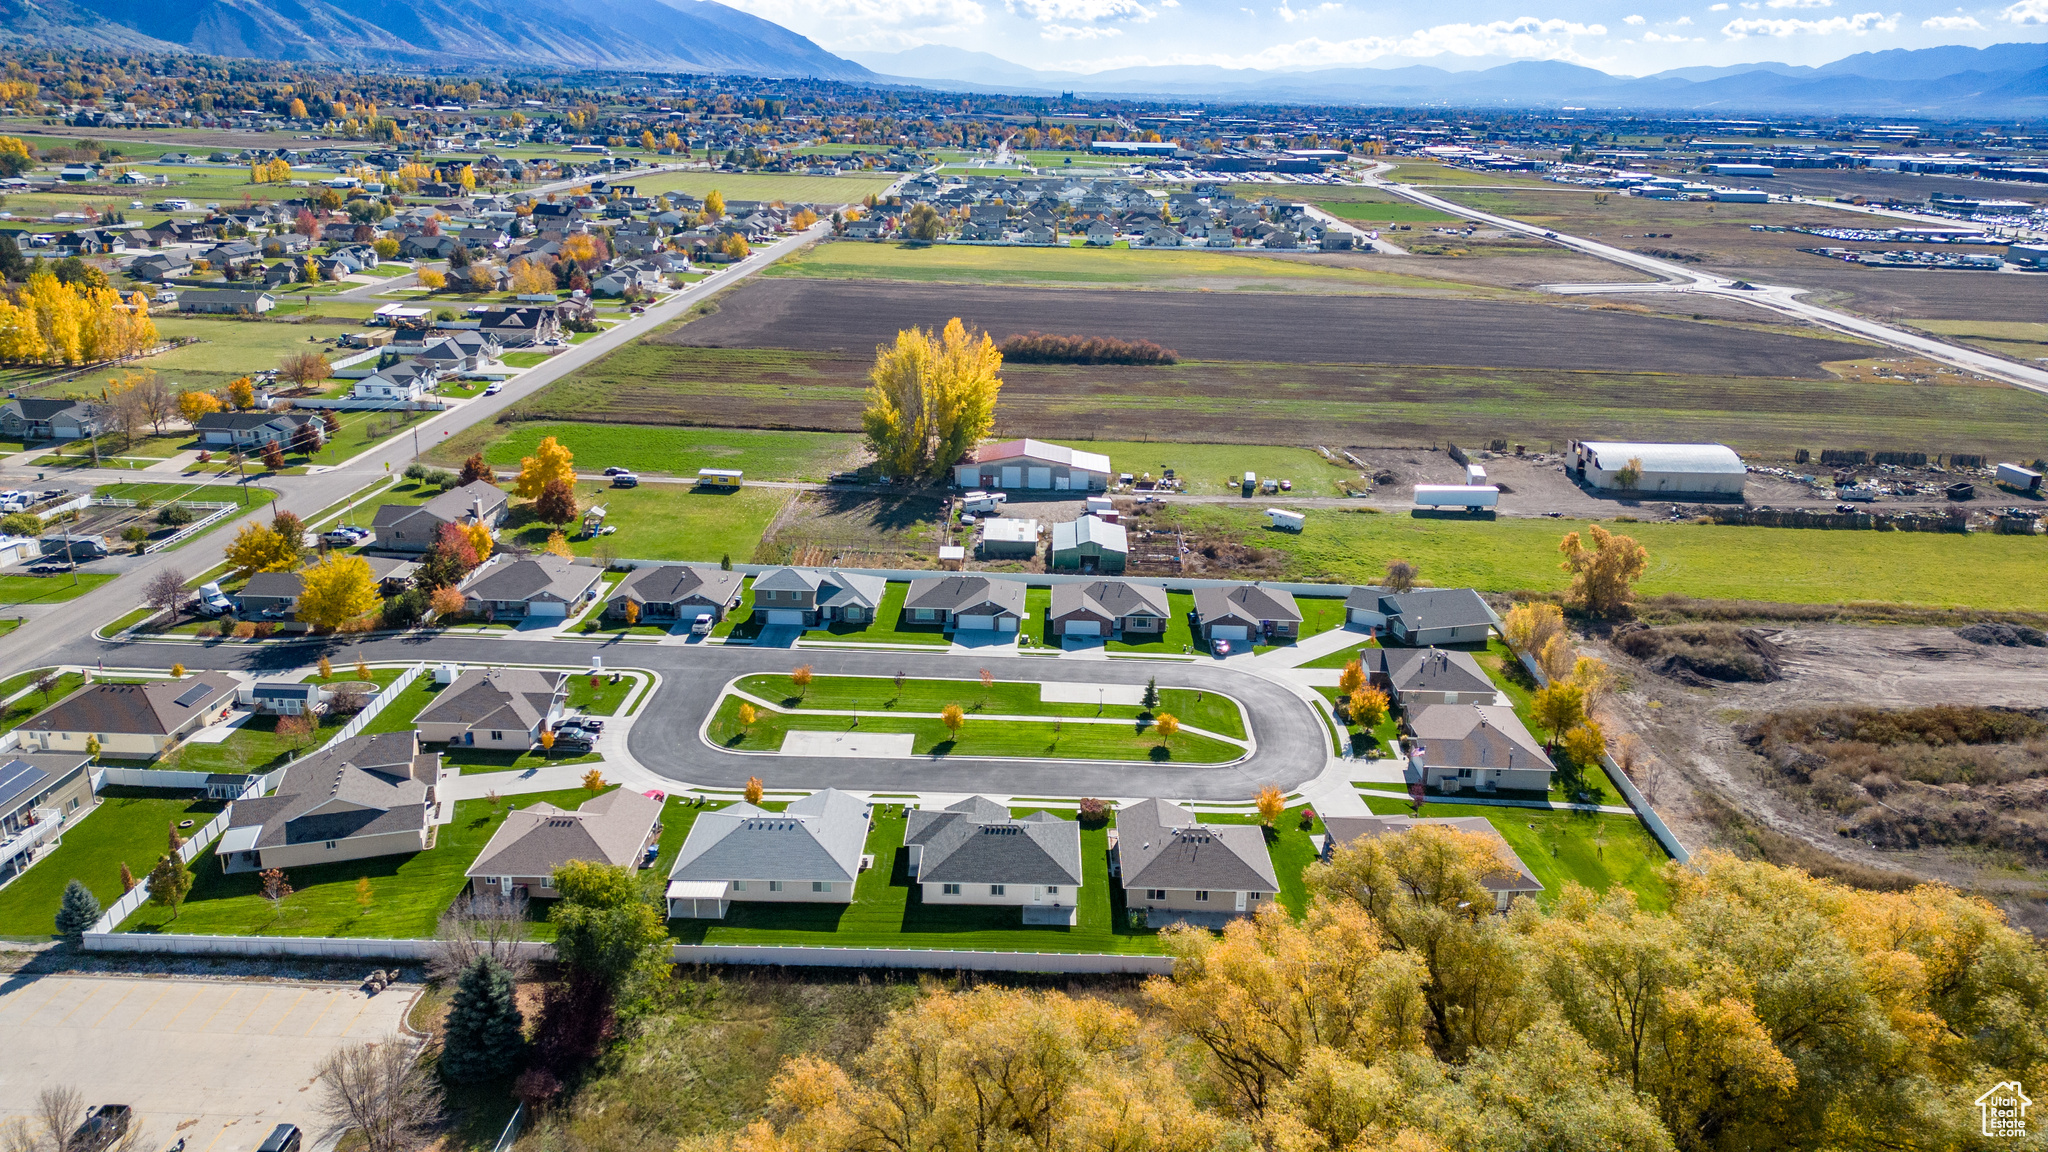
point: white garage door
(1009, 624)
(1084, 628)
(786, 616)
(546, 608)
(973, 622)
(1059, 483)
(1229, 632)
(1040, 478)
(1013, 477)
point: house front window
(995, 889)
(821, 886)
(1052, 889)
(950, 889)
(775, 885)
(1155, 893)
(739, 885)
(1202, 896)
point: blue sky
(1632, 39)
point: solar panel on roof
(193, 695)
(18, 778)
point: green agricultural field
(1206, 710)
(1787, 565)
(670, 450)
(130, 826)
(766, 186)
(1096, 267)
(407, 892)
(1033, 739)
(1213, 469)
(1600, 850)
(888, 912)
(670, 522)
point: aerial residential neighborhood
(1026, 576)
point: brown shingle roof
(156, 708)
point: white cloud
(1633, 20)
(1802, 3)
(1049, 11)
(1077, 32)
(1291, 14)
(1718, 8)
(1860, 24)
(1682, 22)
(1661, 38)
(2026, 12)
(1952, 23)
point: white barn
(1033, 464)
(1666, 469)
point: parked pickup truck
(103, 1126)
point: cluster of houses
(1000, 209)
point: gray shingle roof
(1161, 845)
(531, 578)
(1248, 602)
(819, 837)
(975, 841)
(363, 786)
(674, 583)
(514, 698)
(1426, 670)
(150, 709)
(1438, 608)
(1475, 736)
(607, 829)
(965, 594)
(1114, 599)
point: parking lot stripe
(75, 1007)
(328, 1006)
(252, 1012)
(284, 1015)
(360, 1009)
(232, 993)
(196, 992)
(140, 1016)
(45, 1004)
(118, 1001)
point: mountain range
(1998, 81)
(705, 36)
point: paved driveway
(217, 1062)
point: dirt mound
(1701, 654)
(2003, 634)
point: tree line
(1036, 347)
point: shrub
(1093, 812)
(245, 630)
(1040, 348)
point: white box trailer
(979, 503)
(1471, 497)
(1475, 474)
(1286, 521)
(2022, 479)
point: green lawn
(603, 700)
(888, 911)
(671, 522)
(408, 892)
(49, 589)
(232, 347)
(1025, 738)
(889, 626)
(1375, 741)
(1091, 266)
(525, 359)
(664, 450)
(398, 714)
(361, 431)
(1340, 659)
(1212, 469)
(1218, 714)
(1578, 784)
(484, 761)
(1292, 851)
(256, 746)
(1597, 849)
(1179, 635)
(1787, 565)
(130, 825)
(166, 492)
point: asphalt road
(1292, 743)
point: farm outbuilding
(1089, 545)
(1661, 469)
(1033, 464)
(1009, 539)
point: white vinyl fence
(1636, 800)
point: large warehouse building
(1033, 464)
(1660, 469)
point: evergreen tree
(1152, 694)
(79, 911)
(482, 1038)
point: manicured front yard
(18, 712)
(889, 626)
(1179, 635)
(407, 892)
(49, 589)
(605, 698)
(1208, 710)
(1597, 849)
(131, 825)
(1135, 740)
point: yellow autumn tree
(51, 322)
(550, 462)
(558, 545)
(259, 548)
(530, 279)
(1604, 574)
(336, 591)
(242, 392)
(480, 539)
(194, 404)
(931, 398)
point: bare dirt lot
(1714, 788)
(855, 316)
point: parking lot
(217, 1062)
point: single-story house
(495, 708)
(545, 586)
(1480, 747)
(399, 383)
(226, 301)
(30, 418)
(1009, 538)
(966, 602)
(285, 699)
(1430, 616)
(524, 852)
(1247, 612)
(414, 527)
(520, 326)
(1512, 880)
(131, 721)
(974, 852)
(1107, 608)
(1032, 464)
(158, 267)
(366, 796)
(459, 352)
(1661, 469)
(39, 794)
(250, 431)
(1421, 676)
(276, 593)
(815, 596)
(810, 852)
(1171, 864)
(1090, 544)
(676, 592)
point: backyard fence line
(220, 513)
(377, 704)
(128, 903)
(234, 782)
(1629, 792)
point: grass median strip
(1047, 739)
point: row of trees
(47, 321)
(932, 398)
(1766, 1010)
